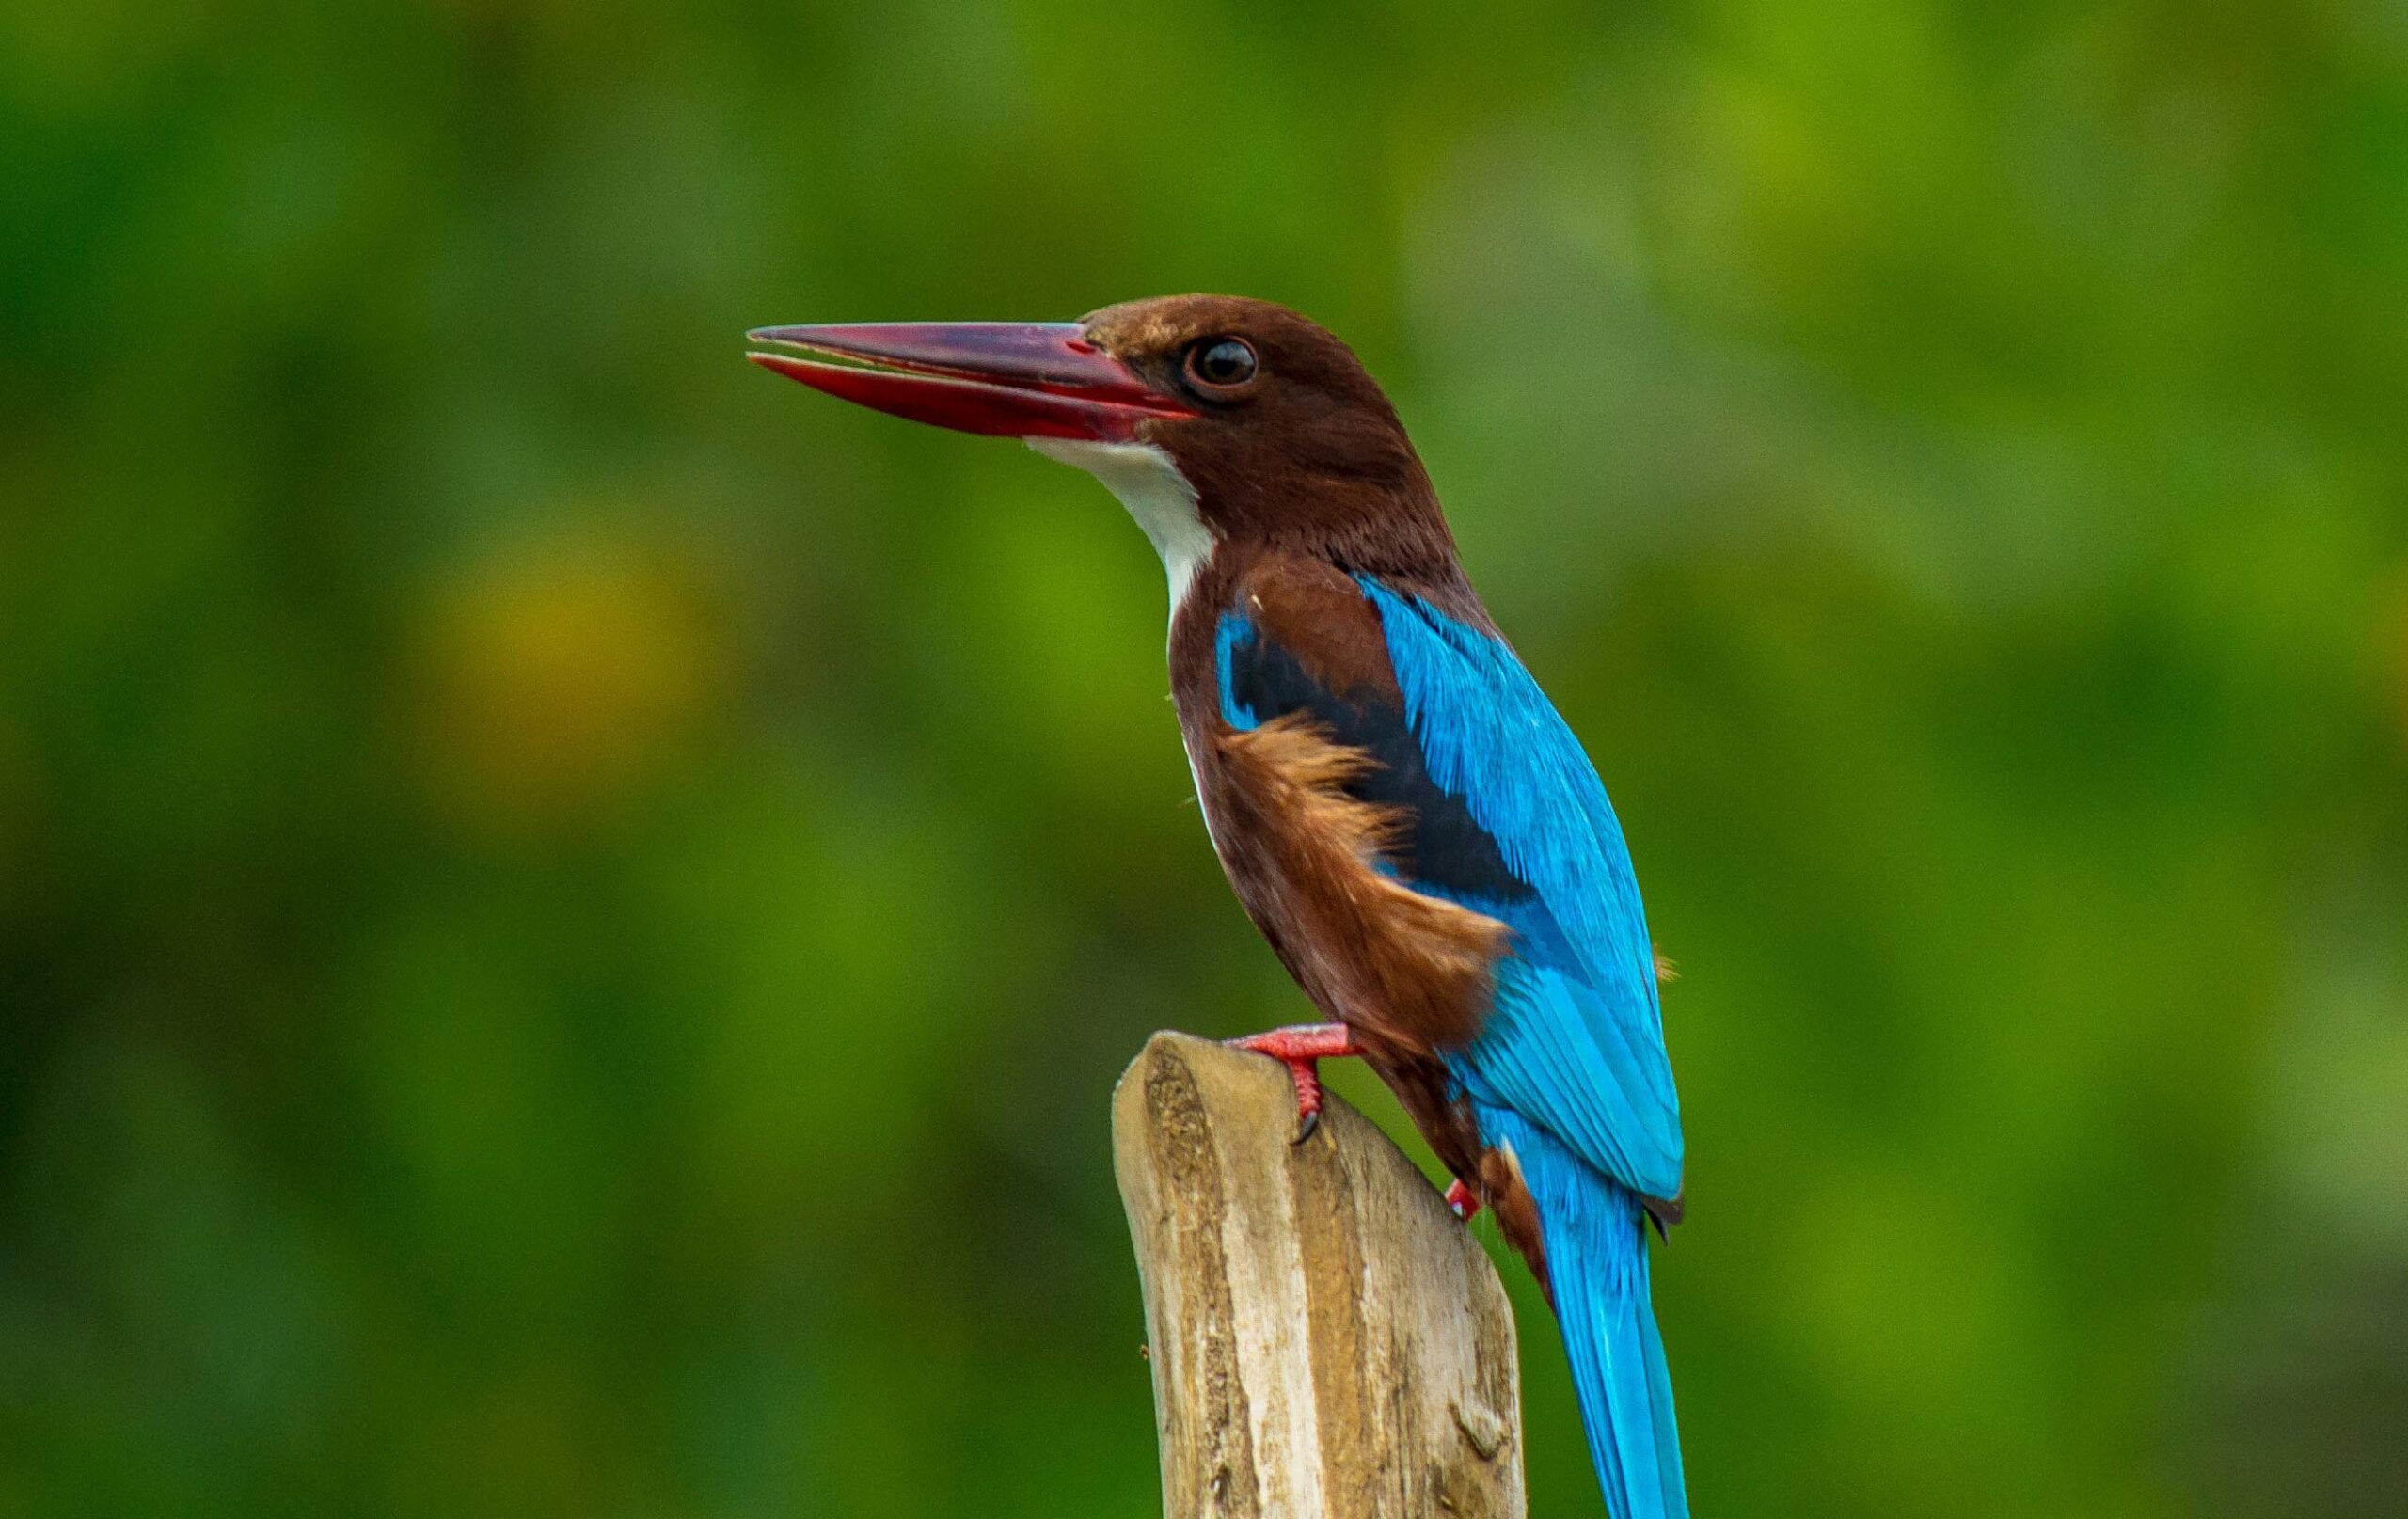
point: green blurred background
(568, 909)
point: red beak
(1006, 379)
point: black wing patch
(1441, 847)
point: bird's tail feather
(1596, 1265)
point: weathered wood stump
(1328, 1342)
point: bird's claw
(1301, 1050)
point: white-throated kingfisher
(1402, 811)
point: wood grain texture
(1327, 1340)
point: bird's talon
(1301, 1050)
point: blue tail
(1596, 1263)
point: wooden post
(1328, 1342)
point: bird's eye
(1221, 363)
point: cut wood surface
(1329, 1342)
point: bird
(1405, 817)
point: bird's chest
(1240, 826)
(1304, 853)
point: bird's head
(1214, 419)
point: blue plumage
(1596, 1258)
(1506, 816)
(1577, 1043)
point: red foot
(1301, 1049)
(1464, 1201)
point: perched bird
(1404, 814)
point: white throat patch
(1156, 494)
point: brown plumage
(1408, 972)
(1390, 961)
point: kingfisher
(1404, 815)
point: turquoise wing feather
(1576, 1043)
(1502, 813)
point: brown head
(1213, 418)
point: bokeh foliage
(568, 909)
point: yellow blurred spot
(559, 679)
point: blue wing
(1505, 816)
